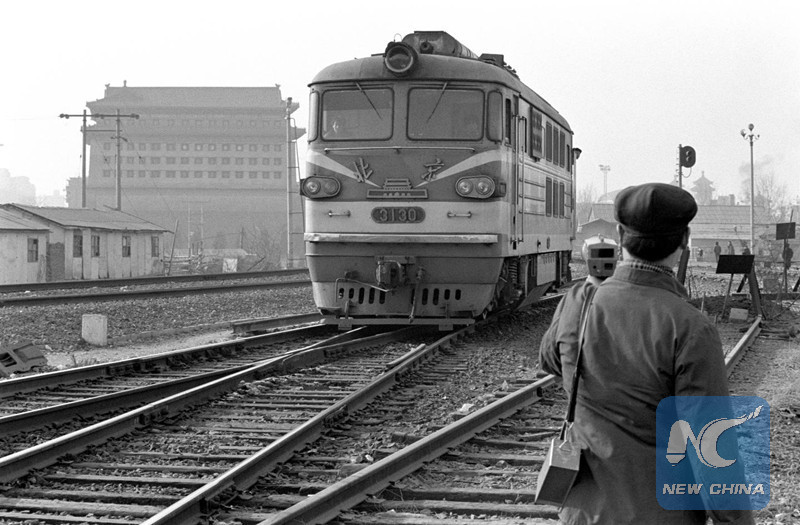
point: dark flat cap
(654, 209)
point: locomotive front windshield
(441, 113)
(361, 114)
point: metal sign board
(735, 264)
(784, 230)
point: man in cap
(643, 342)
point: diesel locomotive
(438, 187)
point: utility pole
(84, 130)
(751, 136)
(289, 250)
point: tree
(770, 194)
(586, 196)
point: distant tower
(703, 190)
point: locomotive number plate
(386, 215)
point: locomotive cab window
(363, 114)
(445, 113)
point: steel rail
(142, 294)
(744, 343)
(18, 464)
(105, 403)
(152, 279)
(29, 383)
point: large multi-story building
(212, 164)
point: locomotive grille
(368, 295)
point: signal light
(399, 58)
(320, 187)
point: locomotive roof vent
(437, 43)
(442, 43)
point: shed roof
(87, 218)
(9, 221)
(712, 215)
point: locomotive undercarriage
(425, 291)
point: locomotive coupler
(392, 271)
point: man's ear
(686, 236)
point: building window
(170, 160)
(226, 147)
(184, 147)
(170, 174)
(239, 174)
(226, 160)
(252, 161)
(239, 161)
(95, 246)
(212, 174)
(155, 160)
(107, 146)
(226, 174)
(155, 146)
(33, 250)
(170, 147)
(212, 147)
(130, 146)
(154, 248)
(264, 174)
(142, 146)
(277, 161)
(253, 174)
(129, 173)
(126, 245)
(198, 174)
(276, 174)
(184, 174)
(253, 147)
(198, 147)
(212, 160)
(240, 147)
(129, 160)
(184, 160)
(142, 173)
(107, 173)
(198, 160)
(277, 147)
(77, 244)
(265, 147)
(155, 174)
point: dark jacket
(643, 343)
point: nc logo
(705, 443)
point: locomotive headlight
(464, 187)
(320, 187)
(475, 187)
(399, 58)
(485, 186)
(311, 187)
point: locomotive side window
(313, 116)
(548, 147)
(363, 114)
(536, 134)
(494, 114)
(562, 147)
(548, 197)
(442, 113)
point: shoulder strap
(573, 395)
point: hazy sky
(634, 78)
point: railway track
(44, 406)
(128, 294)
(160, 280)
(327, 482)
